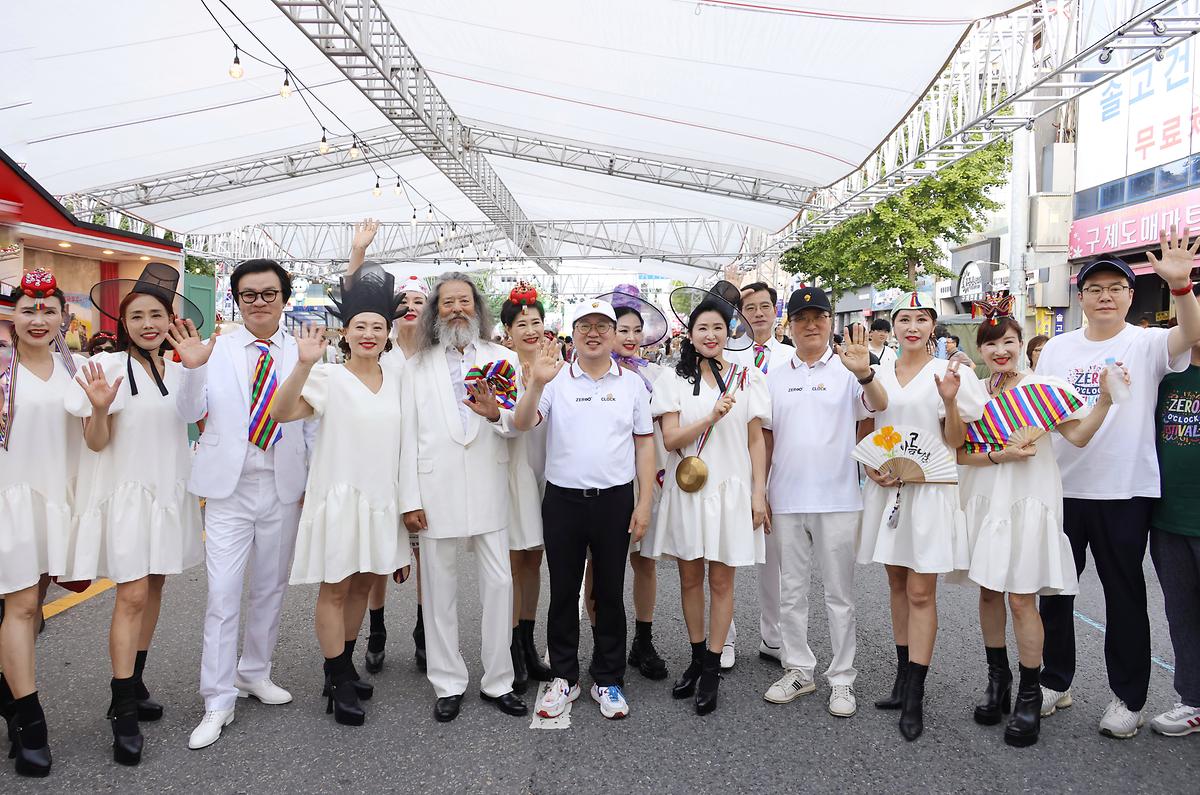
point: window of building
(1140, 187)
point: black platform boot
(912, 719)
(419, 642)
(895, 700)
(343, 698)
(997, 698)
(1026, 721)
(7, 712)
(376, 642)
(538, 671)
(685, 686)
(643, 655)
(364, 689)
(709, 682)
(31, 745)
(127, 737)
(517, 651)
(148, 709)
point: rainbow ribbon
(1027, 406)
(735, 381)
(501, 375)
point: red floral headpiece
(993, 308)
(524, 294)
(38, 283)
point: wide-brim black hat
(654, 323)
(158, 278)
(686, 300)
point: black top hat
(369, 289)
(158, 279)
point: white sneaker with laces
(728, 656)
(558, 694)
(1177, 722)
(790, 687)
(264, 690)
(842, 703)
(209, 730)
(1054, 700)
(611, 700)
(1119, 721)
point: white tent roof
(802, 90)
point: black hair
(755, 287)
(988, 331)
(955, 338)
(622, 311)
(881, 324)
(261, 266)
(510, 310)
(17, 293)
(939, 329)
(689, 358)
(1034, 344)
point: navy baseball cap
(1109, 263)
(808, 298)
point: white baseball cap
(594, 306)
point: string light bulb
(413, 222)
(354, 150)
(235, 69)
(324, 147)
(378, 191)
(285, 90)
(429, 215)
(397, 188)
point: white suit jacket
(459, 480)
(221, 388)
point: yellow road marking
(72, 599)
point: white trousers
(447, 669)
(833, 536)
(768, 594)
(252, 519)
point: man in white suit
(252, 472)
(454, 485)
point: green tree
(887, 245)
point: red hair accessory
(38, 283)
(524, 294)
(993, 308)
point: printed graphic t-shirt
(1178, 429)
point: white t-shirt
(813, 414)
(887, 356)
(1120, 462)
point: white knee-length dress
(526, 482)
(651, 373)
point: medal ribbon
(735, 381)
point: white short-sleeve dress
(1014, 515)
(134, 515)
(350, 523)
(526, 482)
(37, 478)
(716, 522)
(651, 373)
(931, 533)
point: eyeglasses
(1095, 291)
(588, 328)
(250, 296)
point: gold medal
(691, 474)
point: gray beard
(457, 336)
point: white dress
(351, 521)
(526, 483)
(931, 534)
(37, 476)
(134, 515)
(1015, 521)
(716, 522)
(653, 373)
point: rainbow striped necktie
(264, 431)
(760, 357)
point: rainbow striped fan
(909, 454)
(1020, 415)
(501, 375)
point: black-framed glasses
(250, 296)
(1095, 290)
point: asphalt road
(746, 745)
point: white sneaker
(264, 690)
(611, 701)
(1119, 721)
(766, 652)
(554, 702)
(728, 656)
(790, 687)
(1177, 722)
(841, 701)
(1054, 700)
(209, 730)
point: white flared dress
(652, 372)
(37, 478)
(715, 523)
(931, 533)
(1014, 519)
(351, 522)
(134, 515)
(526, 483)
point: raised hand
(100, 393)
(187, 342)
(1175, 258)
(364, 234)
(546, 364)
(484, 404)
(722, 407)
(310, 344)
(854, 353)
(948, 387)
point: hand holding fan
(501, 376)
(911, 455)
(1019, 416)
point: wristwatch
(868, 379)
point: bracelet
(1182, 291)
(868, 379)
(994, 461)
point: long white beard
(457, 335)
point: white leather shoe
(209, 730)
(728, 655)
(264, 690)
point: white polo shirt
(591, 425)
(813, 415)
(776, 352)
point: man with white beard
(454, 484)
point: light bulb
(378, 191)
(235, 69)
(413, 222)
(397, 188)
(354, 152)
(429, 214)
(324, 147)
(285, 90)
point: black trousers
(1117, 532)
(573, 524)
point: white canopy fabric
(803, 90)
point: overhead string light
(398, 188)
(285, 90)
(324, 147)
(354, 150)
(413, 222)
(235, 69)
(378, 191)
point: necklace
(996, 383)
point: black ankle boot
(343, 698)
(520, 673)
(148, 709)
(418, 636)
(364, 690)
(895, 700)
(376, 642)
(912, 719)
(709, 682)
(538, 671)
(1026, 721)
(643, 655)
(997, 698)
(127, 737)
(31, 745)
(7, 712)
(685, 686)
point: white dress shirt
(458, 364)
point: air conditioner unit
(1049, 221)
